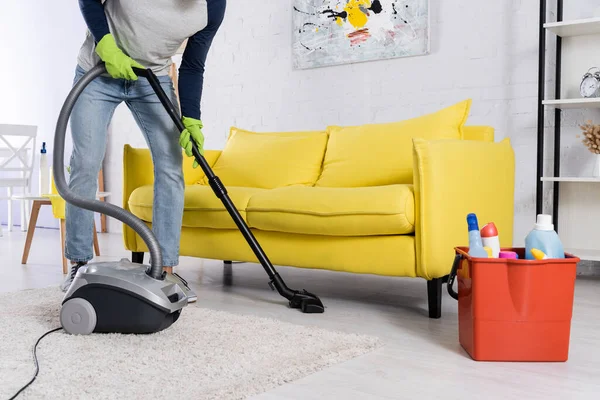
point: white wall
(38, 52)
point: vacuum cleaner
(130, 298)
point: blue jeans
(89, 124)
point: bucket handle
(452, 276)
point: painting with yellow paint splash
(332, 32)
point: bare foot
(169, 270)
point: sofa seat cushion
(202, 208)
(378, 210)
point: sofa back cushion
(381, 154)
(480, 133)
(272, 159)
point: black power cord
(35, 360)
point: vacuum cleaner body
(120, 297)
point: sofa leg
(137, 257)
(227, 273)
(434, 295)
(227, 262)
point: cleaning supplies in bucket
(490, 238)
(538, 254)
(541, 243)
(475, 243)
(508, 255)
(544, 238)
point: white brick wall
(485, 50)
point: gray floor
(421, 358)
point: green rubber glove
(192, 131)
(118, 64)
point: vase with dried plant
(591, 140)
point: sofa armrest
(453, 178)
(138, 171)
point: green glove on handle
(118, 64)
(192, 131)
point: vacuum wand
(305, 301)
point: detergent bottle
(544, 238)
(475, 244)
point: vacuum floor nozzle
(307, 302)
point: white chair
(17, 156)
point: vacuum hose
(156, 270)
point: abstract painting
(332, 32)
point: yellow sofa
(386, 199)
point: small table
(38, 202)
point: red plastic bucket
(514, 310)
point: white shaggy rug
(205, 355)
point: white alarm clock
(590, 84)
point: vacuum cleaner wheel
(78, 317)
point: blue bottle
(543, 237)
(475, 243)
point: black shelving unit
(542, 112)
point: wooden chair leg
(35, 210)
(63, 229)
(96, 245)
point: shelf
(590, 26)
(590, 179)
(585, 254)
(573, 103)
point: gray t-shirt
(150, 32)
